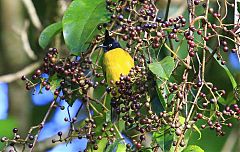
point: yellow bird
(116, 61)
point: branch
(42, 124)
(14, 76)
(32, 13)
(48, 144)
(191, 10)
(24, 37)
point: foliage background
(20, 108)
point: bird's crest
(109, 43)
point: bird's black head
(109, 43)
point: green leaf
(97, 56)
(164, 68)
(164, 138)
(54, 82)
(112, 146)
(80, 21)
(99, 121)
(193, 148)
(182, 121)
(222, 101)
(108, 116)
(181, 47)
(230, 76)
(48, 33)
(230, 99)
(121, 147)
(160, 95)
(158, 102)
(121, 125)
(199, 132)
(102, 145)
(98, 92)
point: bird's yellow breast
(117, 62)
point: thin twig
(25, 41)
(185, 75)
(32, 13)
(167, 47)
(42, 124)
(205, 43)
(15, 76)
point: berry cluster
(28, 141)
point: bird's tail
(108, 102)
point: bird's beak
(102, 46)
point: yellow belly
(117, 62)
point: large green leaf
(80, 21)
(164, 68)
(48, 33)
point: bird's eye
(110, 45)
